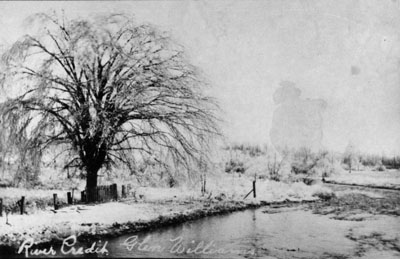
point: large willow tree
(107, 91)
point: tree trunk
(91, 185)
(93, 161)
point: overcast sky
(346, 53)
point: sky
(344, 54)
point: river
(266, 233)
(271, 232)
(291, 232)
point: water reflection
(246, 234)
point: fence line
(101, 193)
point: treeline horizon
(365, 159)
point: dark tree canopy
(108, 91)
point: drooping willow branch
(106, 89)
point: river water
(264, 232)
(267, 232)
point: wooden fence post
(69, 198)
(254, 189)
(106, 192)
(22, 204)
(203, 181)
(1, 207)
(97, 193)
(204, 184)
(83, 196)
(115, 191)
(55, 201)
(123, 194)
(128, 189)
(201, 184)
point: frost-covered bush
(234, 166)
(248, 149)
(5, 183)
(326, 168)
(284, 172)
(25, 176)
(265, 167)
(380, 167)
(258, 167)
(324, 194)
(62, 183)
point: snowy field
(389, 178)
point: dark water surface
(291, 232)
(264, 232)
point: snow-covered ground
(77, 219)
(235, 188)
(389, 178)
(149, 203)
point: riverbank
(168, 207)
(146, 208)
(93, 222)
(392, 187)
(389, 179)
(362, 223)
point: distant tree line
(302, 161)
(375, 160)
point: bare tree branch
(109, 90)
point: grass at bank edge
(349, 204)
